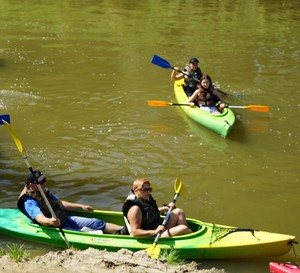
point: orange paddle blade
(158, 103)
(258, 108)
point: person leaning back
(33, 205)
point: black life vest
(36, 195)
(189, 81)
(150, 213)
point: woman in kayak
(143, 215)
(206, 97)
(33, 205)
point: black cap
(41, 178)
(194, 60)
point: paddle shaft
(195, 79)
(154, 250)
(40, 188)
(20, 148)
(157, 60)
(45, 199)
(256, 108)
(158, 235)
(229, 106)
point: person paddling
(31, 203)
(143, 215)
(191, 74)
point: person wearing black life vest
(191, 72)
(143, 215)
(206, 97)
(33, 205)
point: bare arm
(74, 206)
(193, 97)
(45, 221)
(135, 219)
(174, 76)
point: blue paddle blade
(5, 117)
(160, 62)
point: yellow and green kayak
(221, 124)
(208, 241)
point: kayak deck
(208, 241)
(221, 124)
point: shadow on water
(259, 124)
(238, 132)
(248, 126)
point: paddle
(20, 148)
(165, 64)
(256, 108)
(5, 117)
(154, 250)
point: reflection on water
(76, 77)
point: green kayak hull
(208, 241)
(220, 124)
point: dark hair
(206, 77)
(194, 60)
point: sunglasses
(146, 189)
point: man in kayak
(143, 215)
(206, 97)
(192, 74)
(33, 205)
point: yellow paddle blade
(182, 190)
(158, 103)
(177, 185)
(153, 251)
(258, 108)
(14, 137)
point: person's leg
(78, 222)
(111, 228)
(177, 230)
(177, 217)
(177, 224)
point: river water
(76, 77)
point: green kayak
(221, 124)
(208, 241)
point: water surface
(76, 76)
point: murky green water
(76, 76)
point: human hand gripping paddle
(20, 148)
(154, 250)
(256, 108)
(165, 64)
